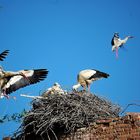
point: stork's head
(75, 87)
(116, 34)
(56, 84)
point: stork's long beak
(26, 77)
(131, 36)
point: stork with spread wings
(117, 43)
(12, 81)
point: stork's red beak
(131, 36)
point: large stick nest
(64, 113)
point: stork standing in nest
(117, 43)
(86, 77)
(12, 81)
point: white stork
(3, 55)
(12, 81)
(117, 43)
(86, 77)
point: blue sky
(66, 36)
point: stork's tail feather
(102, 74)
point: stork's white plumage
(117, 42)
(12, 81)
(55, 89)
(86, 77)
(3, 55)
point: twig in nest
(128, 106)
(65, 113)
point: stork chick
(55, 89)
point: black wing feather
(3, 55)
(99, 74)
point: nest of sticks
(59, 114)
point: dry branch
(29, 96)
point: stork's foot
(4, 93)
(7, 96)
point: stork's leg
(7, 96)
(4, 94)
(116, 52)
(89, 88)
(84, 88)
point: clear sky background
(66, 36)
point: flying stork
(86, 77)
(117, 42)
(12, 81)
(3, 55)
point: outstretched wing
(3, 55)
(17, 82)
